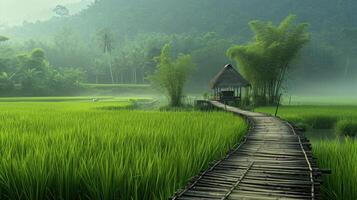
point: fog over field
(204, 29)
(130, 99)
(16, 12)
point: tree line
(165, 61)
(108, 58)
(30, 74)
(264, 62)
(329, 54)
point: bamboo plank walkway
(273, 162)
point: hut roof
(228, 77)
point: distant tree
(3, 39)
(172, 73)
(138, 56)
(6, 68)
(105, 39)
(134, 58)
(99, 69)
(266, 60)
(121, 65)
(67, 50)
(66, 80)
(61, 11)
(33, 72)
(66, 41)
(6, 85)
(37, 77)
(209, 54)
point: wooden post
(277, 105)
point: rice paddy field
(341, 158)
(335, 152)
(78, 149)
(314, 116)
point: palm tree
(28, 77)
(106, 42)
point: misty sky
(14, 12)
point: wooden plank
(273, 162)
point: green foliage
(204, 30)
(66, 49)
(105, 40)
(328, 54)
(341, 158)
(319, 121)
(172, 73)
(69, 150)
(5, 83)
(3, 39)
(266, 60)
(318, 117)
(67, 79)
(346, 128)
(38, 77)
(133, 59)
(32, 74)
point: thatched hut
(227, 85)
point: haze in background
(15, 12)
(205, 29)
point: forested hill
(203, 28)
(228, 17)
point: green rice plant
(119, 89)
(346, 128)
(341, 158)
(75, 150)
(318, 121)
(317, 117)
(335, 100)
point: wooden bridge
(274, 161)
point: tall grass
(317, 117)
(341, 158)
(346, 128)
(73, 99)
(78, 151)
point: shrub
(6, 84)
(303, 126)
(320, 121)
(341, 158)
(172, 73)
(346, 128)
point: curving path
(273, 162)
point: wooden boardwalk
(273, 162)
